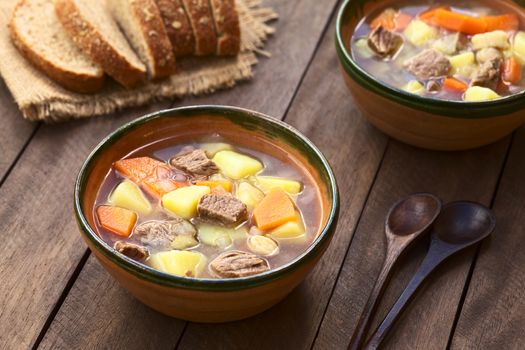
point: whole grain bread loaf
(178, 26)
(143, 25)
(91, 26)
(39, 36)
(227, 27)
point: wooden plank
(493, 315)
(325, 112)
(428, 321)
(286, 67)
(15, 130)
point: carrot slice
(386, 19)
(225, 184)
(455, 85)
(117, 220)
(152, 175)
(504, 22)
(511, 72)
(274, 210)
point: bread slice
(92, 28)
(201, 19)
(178, 26)
(142, 23)
(227, 26)
(37, 33)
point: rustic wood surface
(55, 295)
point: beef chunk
(195, 162)
(384, 42)
(133, 251)
(428, 64)
(160, 233)
(238, 264)
(222, 208)
(488, 74)
(488, 54)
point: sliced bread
(37, 33)
(93, 29)
(201, 19)
(227, 26)
(178, 26)
(143, 25)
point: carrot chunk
(402, 21)
(391, 19)
(225, 184)
(511, 72)
(455, 85)
(152, 175)
(274, 210)
(117, 220)
(504, 22)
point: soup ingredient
(419, 33)
(488, 54)
(262, 245)
(391, 19)
(153, 176)
(224, 209)
(268, 183)
(183, 201)
(128, 195)
(179, 262)
(455, 85)
(225, 184)
(236, 165)
(479, 94)
(183, 242)
(414, 87)
(363, 49)
(488, 74)
(511, 71)
(131, 250)
(162, 233)
(518, 47)
(195, 163)
(117, 220)
(291, 229)
(219, 236)
(249, 195)
(384, 42)
(429, 64)
(498, 39)
(235, 263)
(463, 64)
(212, 148)
(274, 210)
(450, 44)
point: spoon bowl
(412, 214)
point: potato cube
(179, 262)
(262, 245)
(183, 201)
(219, 236)
(518, 47)
(249, 195)
(291, 229)
(478, 94)
(463, 64)
(128, 195)
(414, 87)
(212, 148)
(184, 241)
(418, 32)
(268, 183)
(235, 165)
(363, 49)
(497, 38)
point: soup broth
(460, 51)
(208, 209)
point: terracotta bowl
(207, 300)
(417, 120)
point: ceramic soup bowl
(207, 300)
(420, 121)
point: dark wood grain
(427, 323)
(323, 111)
(282, 73)
(493, 315)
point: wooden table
(54, 294)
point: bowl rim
(444, 108)
(150, 274)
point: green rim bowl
(207, 300)
(418, 120)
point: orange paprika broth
(447, 21)
(148, 173)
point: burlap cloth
(39, 98)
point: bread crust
(201, 19)
(178, 26)
(226, 19)
(88, 38)
(157, 40)
(78, 82)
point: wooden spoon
(406, 220)
(460, 225)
